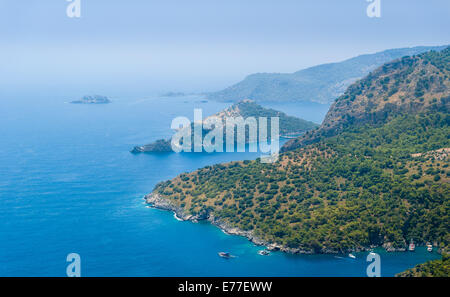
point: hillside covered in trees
(376, 173)
(289, 126)
(409, 85)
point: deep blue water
(68, 184)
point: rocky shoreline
(157, 201)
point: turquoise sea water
(68, 184)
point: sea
(69, 184)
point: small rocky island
(95, 99)
(159, 146)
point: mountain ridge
(320, 84)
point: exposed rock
(388, 246)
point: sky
(143, 47)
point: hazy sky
(145, 46)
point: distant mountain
(322, 84)
(289, 126)
(95, 99)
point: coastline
(157, 201)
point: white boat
(263, 252)
(411, 246)
(352, 256)
(225, 255)
(429, 248)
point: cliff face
(408, 85)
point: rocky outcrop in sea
(95, 99)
